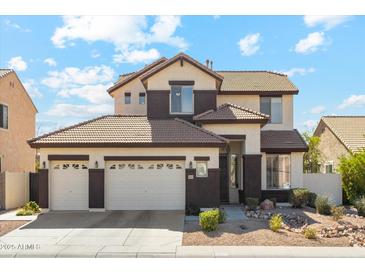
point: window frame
(268, 155)
(327, 164)
(196, 169)
(142, 95)
(192, 100)
(7, 121)
(126, 95)
(281, 110)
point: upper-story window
(127, 98)
(181, 99)
(273, 107)
(142, 98)
(4, 119)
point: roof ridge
(8, 71)
(246, 109)
(301, 137)
(253, 71)
(204, 113)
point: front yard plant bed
(349, 231)
(7, 226)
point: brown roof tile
(231, 112)
(282, 141)
(118, 130)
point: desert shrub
(276, 222)
(298, 197)
(252, 203)
(312, 199)
(209, 220)
(33, 206)
(360, 206)
(310, 233)
(193, 210)
(221, 216)
(352, 170)
(24, 212)
(323, 205)
(337, 212)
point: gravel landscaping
(7, 226)
(349, 231)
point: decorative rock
(267, 205)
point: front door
(224, 197)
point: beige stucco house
(182, 134)
(339, 136)
(17, 124)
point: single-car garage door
(69, 185)
(145, 185)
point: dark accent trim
(127, 94)
(143, 94)
(284, 150)
(40, 145)
(43, 188)
(96, 188)
(144, 158)
(233, 121)
(181, 83)
(251, 164)
(201, 158)
(206, 90)
(233, 136)
(60, 157)
(273, 95)
(281, 196)
(202, 192)
(256, 92)
(204, 100)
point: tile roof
(282, 141)
(256, 81)
(4, 72)
(349, 129)
(231, 112)
(118, 130)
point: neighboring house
(339, 136)
(182, 134)
(17, 124)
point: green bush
(209, 220)
(352, 170)
(360, 206)
(24, 212)
(276, 222)
(337, 212)
(298, 197)
(323, 205)
(252, 203)
(310, 233)
(312, 199)
(221, 216)
(33, 206)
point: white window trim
(1, 128)
(182, 113)
(196, 169)
(328, 163)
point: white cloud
(311, 43)
(95, 94)
(318, 109)
(17, 63)
(50, 62)
(137, 56)
(327, 21)
(31, 87)
(126, 33)
(353, 101)
(216, 17)
(13, 25)
(249, 45)
(310, 124)
(84, 111)
(299, 71)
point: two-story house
(182, 134)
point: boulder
(267, 205)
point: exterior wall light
(190, 164)
(44, 164)
(96, 164)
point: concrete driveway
(97, 234)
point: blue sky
(67, 63)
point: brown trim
(233, 136)
(251, 165)
(257, 92)
(201, 158)
(96, 188)
(40, 145)
(281, 195)
(43, 188)
(60, 157)
(206, 90)
(181, 83)
(143, 158)
(284, 150)
(233, 121)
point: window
(127, 98)
(181, 99)
(233, 171)
(4, 116)
(142, 98)
(273, 107)
(329, 167)
(278, 171)
(201, 169)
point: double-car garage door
(129, 185)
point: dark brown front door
(223, 179)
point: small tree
(352, 170)
(312, 158)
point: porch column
(251, 165)
(43, 188)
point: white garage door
(145, 185)
(69, 185)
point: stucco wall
(160, 81)
(134, 87)
(248, 101)
(16, 154)
(296, 170)
(97, 154)
(252, 132)
(16, 189)
(331, 148)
